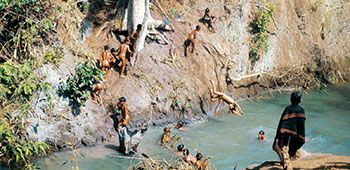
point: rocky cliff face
(309, 39)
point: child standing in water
(290, 134)
(189, 158)
(124, 109)
(180, 126)
(261, 136)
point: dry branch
(262, 72)
(161, 9)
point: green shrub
(16, 149)
(53, 55)
(18, 83)
(78, 85)
(259, 28)
(173, 12)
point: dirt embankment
(164, 86)
(317, 161)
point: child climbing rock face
(123, 49)
(97, 91)
(211, 18)
(191, 39)
(105, 60)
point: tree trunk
(134, 14)
(137, 12)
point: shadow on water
(113, 147)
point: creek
(230, 140)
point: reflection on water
(232, 140)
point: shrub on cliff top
(24, 25)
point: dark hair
(122, 99)
(295, 97)
(113, 50)
(181, 124)
(199, 156)
(198, 27)
(139, 26)
(106, 47)
(180, 147)
(186, 152)
(165, 129)
(207, 10)
(126, 39)
(262, 132)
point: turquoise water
(231, 140)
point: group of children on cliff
(290, 135)
(113, 57)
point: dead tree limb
(165, 15)
(157, 33)
(261, 73)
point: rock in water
(128, 141)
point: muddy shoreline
(313, 161)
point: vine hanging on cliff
(259, 31)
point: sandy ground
(315, 161)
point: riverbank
(314, 161)
(305, 46)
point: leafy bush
(260, 31)
(173, 12)
(16, 149)
(18, 83)
(53, 55)
(24, 25)
(78, 85)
